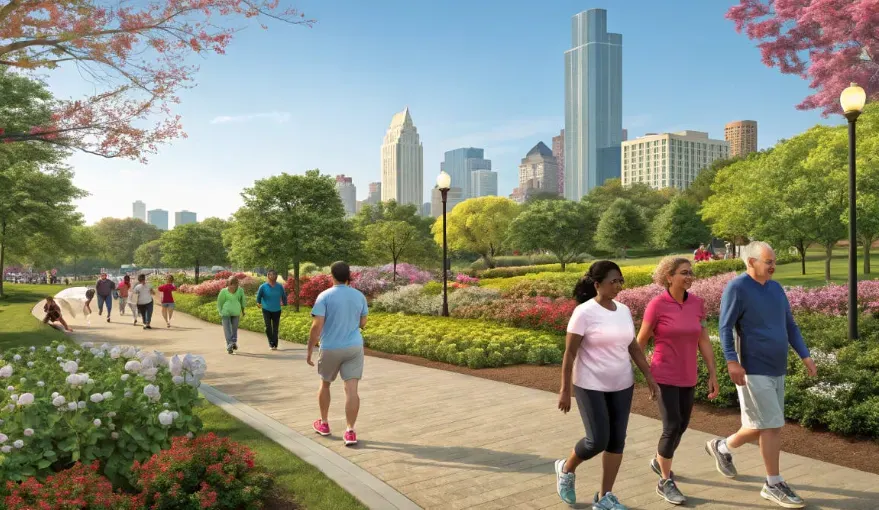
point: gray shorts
(762, 402)
(347, 361)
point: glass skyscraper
(460, 163)
(593, 104)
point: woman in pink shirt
(167, 291)
(676, 321)
(597, 367)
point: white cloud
(279, 117)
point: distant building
(359, 206)
(539, 170)
(455, 197)
(158, 218)
(348, 193)
(402, 162)
(138, 210)
(670, 160)
(558, 150)
(375, 193)
(742, 137)
(184, 217)
(625, 134)
(483, 183)
(425, 209)
(460, 163)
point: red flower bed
(76, 488)
(533, 313)
(225, 275)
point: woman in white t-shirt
(599, 350)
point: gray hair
(752, 251)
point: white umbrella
(72, 300)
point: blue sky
(482, 73)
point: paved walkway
(446, 440)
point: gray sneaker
(608, 502)
(723, 461)
(654, 465)
(782, 495)
(670, 492)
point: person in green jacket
(230, 304)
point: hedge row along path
(448, 440)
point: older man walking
(756, 327)
(104, 288)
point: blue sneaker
(565, 483)
(608, 502)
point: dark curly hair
(598, 271)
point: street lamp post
(852, 100)
(444, 182)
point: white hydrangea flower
(111, 414)
(87, 345)
(165, 405)
(128, 393)
(175, 414)
(176, 366)
(54, 394)
(190, 435)
(26, 399)
(114, 435)
(41, 384)
(149, 373)
(111, 426)
(6, 371)
(3, 438)
(107, 395)
(105, 346)
(76, 353)
(10, 388)
(17, 357)
(23, 380)
(100, 354)
(61, 349)
(30, 364)
(165, 418)
(90, 381)
(6, 449)
(76, 380)
(48, 349)
(58, 400)
(33, 348)
(132, 366)
(152, 392)
(81, 404)
(28, 432)
(177, 379)
(97, 422)
(97, 398)
(18, 443)
(71, 406)
(115, 352)
(59, 358)
(13, 397)
(71, 367)
(124, 377)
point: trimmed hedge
(559, 284)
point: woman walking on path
(676, 321)
(167, 291)
(270, 297)
(122, 291)
(144, 292)
(230, 305)
(53, 314)
(599, 348)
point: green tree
(395, 240)
(563, 228)
(117, 239)
(621, 227)
(149, 254)
(289, 219)
(478, 225)
(80, 252)
(640, 194)
(195, 245)
(867, 182)
(731, 210)
(678, 226)
(700, 189)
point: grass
(297, 483)
(790, 274)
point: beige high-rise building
(402, 162)
(670, 160)
(558, 150)
(742, 137)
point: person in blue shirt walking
(756, 327)
(339, 313)
(269, 298)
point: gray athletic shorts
(347, 361)
(762, 402)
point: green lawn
(296, 482)
(790, 274)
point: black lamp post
(444, 182)
(852, 100)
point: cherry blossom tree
(136, 54)
(829, 42)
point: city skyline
(240, 129)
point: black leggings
(606, 418)
(273, 322)
(675, 406)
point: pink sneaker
(350, 438)
(321, 428)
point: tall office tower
(348, 193)
(460, 163)
(184, 217)
(453, 198)
(402, 162)
(158, 218)
(742, 137)
(670, 160)
(539, 170)
(625, 134)
(138, 210)
(558, 150)
(375, 193)
(593, 104)
(483, 183)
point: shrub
(211, 288)
(410, 299)
(205, 472)
(113, 404)
(560, 284)
(80, 486)
(433, 288)
(518, 260)
(466, 280)
(716, 267)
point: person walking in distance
(270, 297)
(122, 291)
(167, 291)
(338, 315)
(104, 287)
(144, 294)
(230, 305)
(599, 349)
(676, 321)
(756, 327)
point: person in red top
(701, 254)
(676, 321)
(168, 299)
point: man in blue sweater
(270, 297)
(756, 327)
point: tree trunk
(867, 243)
(801, 249)
(296, 285)
(196, 271)
(828, 251)
(394, 278)
(563, 264)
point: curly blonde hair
(666, 268)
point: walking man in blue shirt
(269, 298)
(756, 327)
(338, 314)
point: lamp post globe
(443, 181)
(852, 101)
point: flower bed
(554, 285)
(211, 288)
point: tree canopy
(564, 228)
(678, 226)
(195, 245)
(478, 225)
(621, 227)
(118, 239)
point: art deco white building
(402, 162)
(670, 160)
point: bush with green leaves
(716, 267)
(114, 404)
(559, 284)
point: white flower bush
(64, 410)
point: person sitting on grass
(53, 314)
